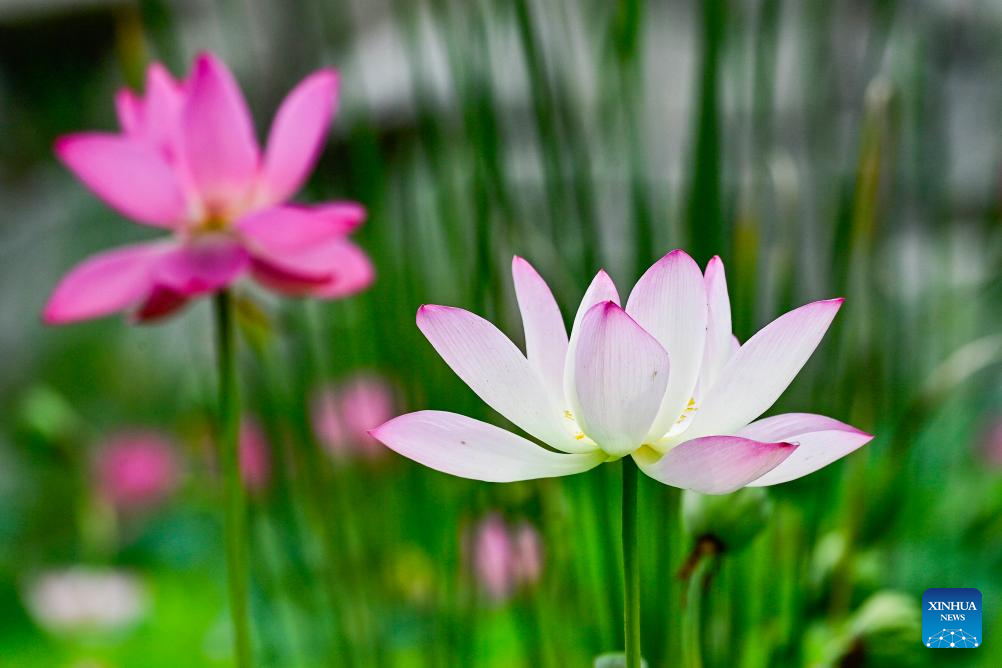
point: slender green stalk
(236, 517)
(692, 619)
(631, 566)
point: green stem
(692, 617)
(631, 566)
(236, 517)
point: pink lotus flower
(662, 380)
(505, 558)
(342, 416)
(187, 160)
(137, 470)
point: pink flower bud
(255, 462)
(343, 415)
(137, 470)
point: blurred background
(843, 148)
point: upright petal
(719, 339)
(105, 283)
(621, 373)
(130, 176)
(545, 332)
(203, 264)
(218, 136)
(128, 109)
(821, 440)
(714, 464)
(669, 301)
(497, 371)
(297, 134)
(762, 369)
(468, 448)
(602, 289)
(162, 109)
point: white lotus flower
(663, 380)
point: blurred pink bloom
(528, 547)
(137, 470)
(255, 462)
(991, 443)
(662, 380)
(505, 559)
(343, 415)
(187, 160)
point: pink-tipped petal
(601, 289)
(468, 448)
(762, 369)
(714, 464)
(203, 264)
(218, 136)
(821, 440)
(621, 373)
(297, 135)
(545, 333)
(669, 301)
(497, 371)
(105, 283)
(719, 340)
(130, 176)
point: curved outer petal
(218, 136)
(353, 271)
(669, 301)
(297, 135)
(762, 369)
(283, 229)
(343, 216)
(462, 446)
(719, 339)
(328, 270)
(545, 332)
(821, 441)
(602, 289)
(130, 176)
(714, 464)
(298, 250)
(105, 283)
(204, 264)
(159, 304)
(621, 373)
(497, 371)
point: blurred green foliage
(845, 148)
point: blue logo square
(951, 618)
